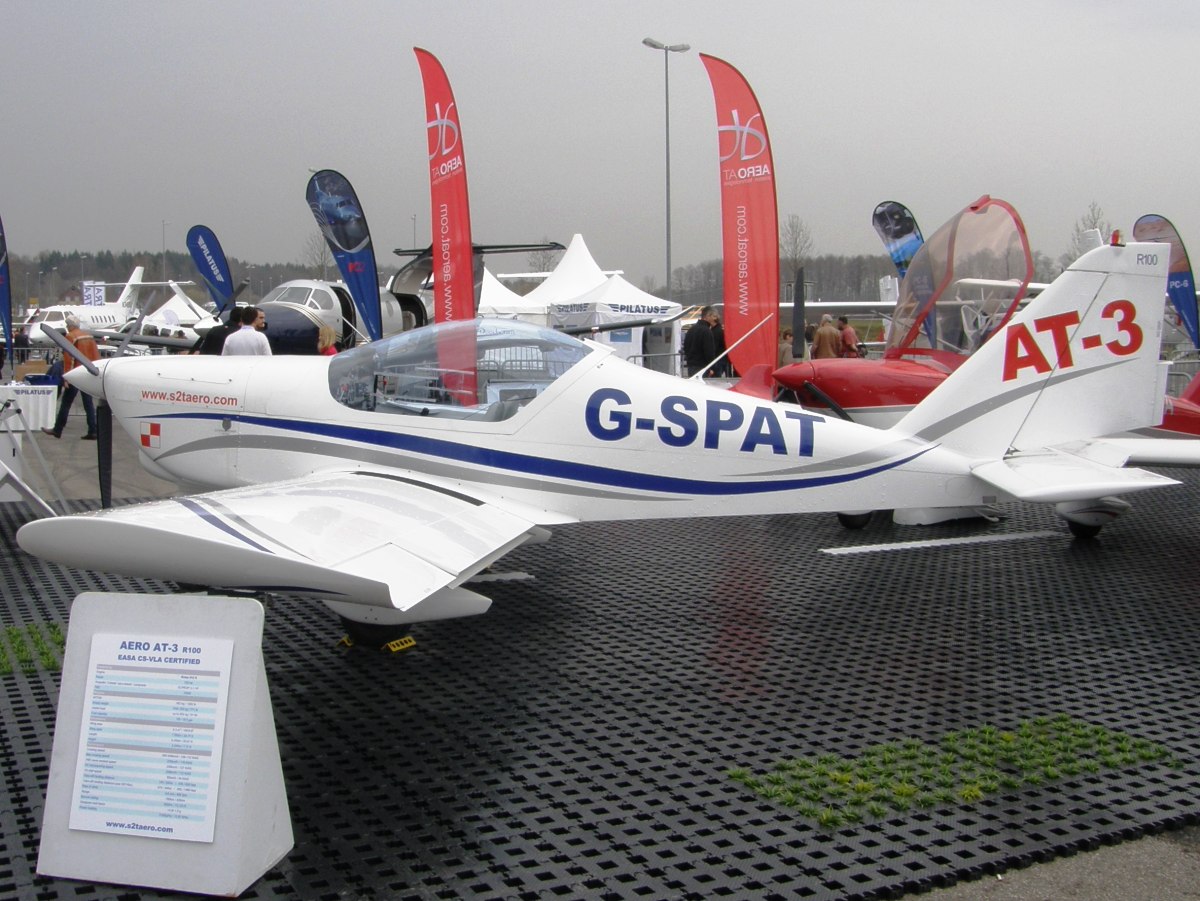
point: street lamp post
(82, 257)
(667, 50)
(165, 223)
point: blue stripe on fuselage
(539, 466)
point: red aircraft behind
(962, 287)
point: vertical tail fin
(1080, 361)
(129, 294)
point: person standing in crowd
(827, 340)
(249, 340)
(326, 341)
(849, 338)
(20, 346)
(700, 346)
(86, 345)
(213, 341)
(785, 349)
(723, 367)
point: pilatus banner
(1181, 286)
(750, 223)
(898, 230)
(6, 298)
(450, 227)
(210, 261)
(340, 218)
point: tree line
(840, 277)
(54, 276)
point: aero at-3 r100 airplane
(382, 479)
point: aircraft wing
(1057, 475)
(384, 539)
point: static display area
(576, 740)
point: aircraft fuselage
(606, 440)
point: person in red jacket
(849, 338)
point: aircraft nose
(86, 382)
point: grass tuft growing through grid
(31, 646)
(959, 768)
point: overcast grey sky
(117, 116)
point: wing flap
(375, 538)
(1052, 477)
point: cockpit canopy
(483, 369)
(313, 295)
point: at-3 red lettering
(1125, 314)
(1021, 349)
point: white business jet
(382, 479)
(91, 316)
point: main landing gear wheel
(1085, 518)
(1080, 530)
(854, 520)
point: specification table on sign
(153, 725)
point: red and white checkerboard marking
(151, 434)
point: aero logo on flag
(151, 434)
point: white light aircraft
(382, 479)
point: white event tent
(499, 301)
(578, 294)
(615, 301)
(575, 274)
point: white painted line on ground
(937, 542)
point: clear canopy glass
(964, 283)
(485, 369)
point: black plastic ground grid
(575, 740)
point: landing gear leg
(374, 635)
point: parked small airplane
(91, 316)
(932, 329)
(176, 323)
(943, 315)
(382, 479)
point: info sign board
(94, 294)
(163, 701)
(153, 729)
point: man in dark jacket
(700, 345)
(213, 341)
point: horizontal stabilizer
(1053, 477)
(1153, 451)
(380, 539)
